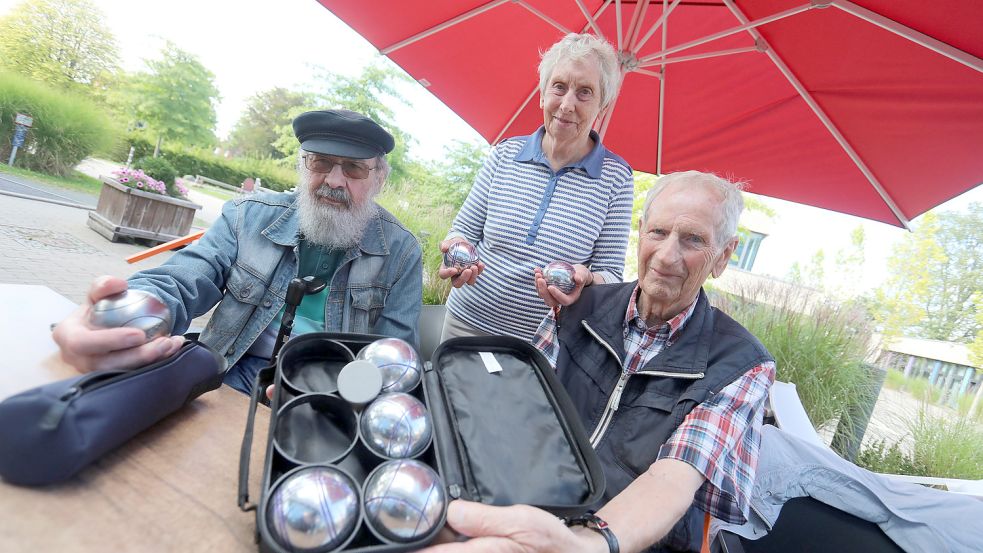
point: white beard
(328, 225)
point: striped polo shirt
(521, 215)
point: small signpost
(22, 122)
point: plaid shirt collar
(634, 323)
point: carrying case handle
(247, 437)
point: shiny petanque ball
(133, 308)
(315, 508)
(396, 426)
(560, 274)
(461, 255)
(398, 361)
(404, 500)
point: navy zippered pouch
(49, 433)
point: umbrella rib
(617, 17)
(662, 98)
(921, 39)
(543, 16)
(445, 25)
(516, 114)
(590, 20)
(637, 17)
(702, 56)
(655, 27)
(596, 16)
(610, 111)
(823, 117)
(746, 26)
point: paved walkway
(50, 244)
(45, 241)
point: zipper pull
(56, 412)
(617, 392)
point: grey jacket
(915, 517)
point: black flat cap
(339, 132)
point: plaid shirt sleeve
(545, 339)
(720, 438)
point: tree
(59, 42)
(934, 274)
(976, 346)
(177, 97)
(371, 93)
(812, 274)
(257, 129)
(849, 266)
(460, 167)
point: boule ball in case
(133, 308)
(560, 274)
(404, 500)
(461, 255)
(398, 361)
(314, 508)
(396, 426)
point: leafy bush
(894, 379)
(160, 169)
(821, 347)
(888, 459)
(922, 390)
(943, 447)
(965, 402)
(67, 127)
(948, 448)
(196, 161)
(429, 218)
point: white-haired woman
(555, 195)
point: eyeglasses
(325, 164)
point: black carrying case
(500, 437)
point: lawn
(215, 192)
(77, 182)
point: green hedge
(193, 161)
(67, 127)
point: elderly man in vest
(671, 390)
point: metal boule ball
(133, 308)
(461, 255)
(313, 508)
(404, 500)
(396, 426)
(398, 361)
(560, 274)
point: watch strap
(591, 521)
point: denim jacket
(248, 257)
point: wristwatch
(593, 522)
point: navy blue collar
(591, 163)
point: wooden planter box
(126, 212)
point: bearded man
(329, 228)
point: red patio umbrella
(872, 108)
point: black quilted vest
(711, 351)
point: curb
(47, 200)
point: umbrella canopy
(872, 108)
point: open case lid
(508, 432)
